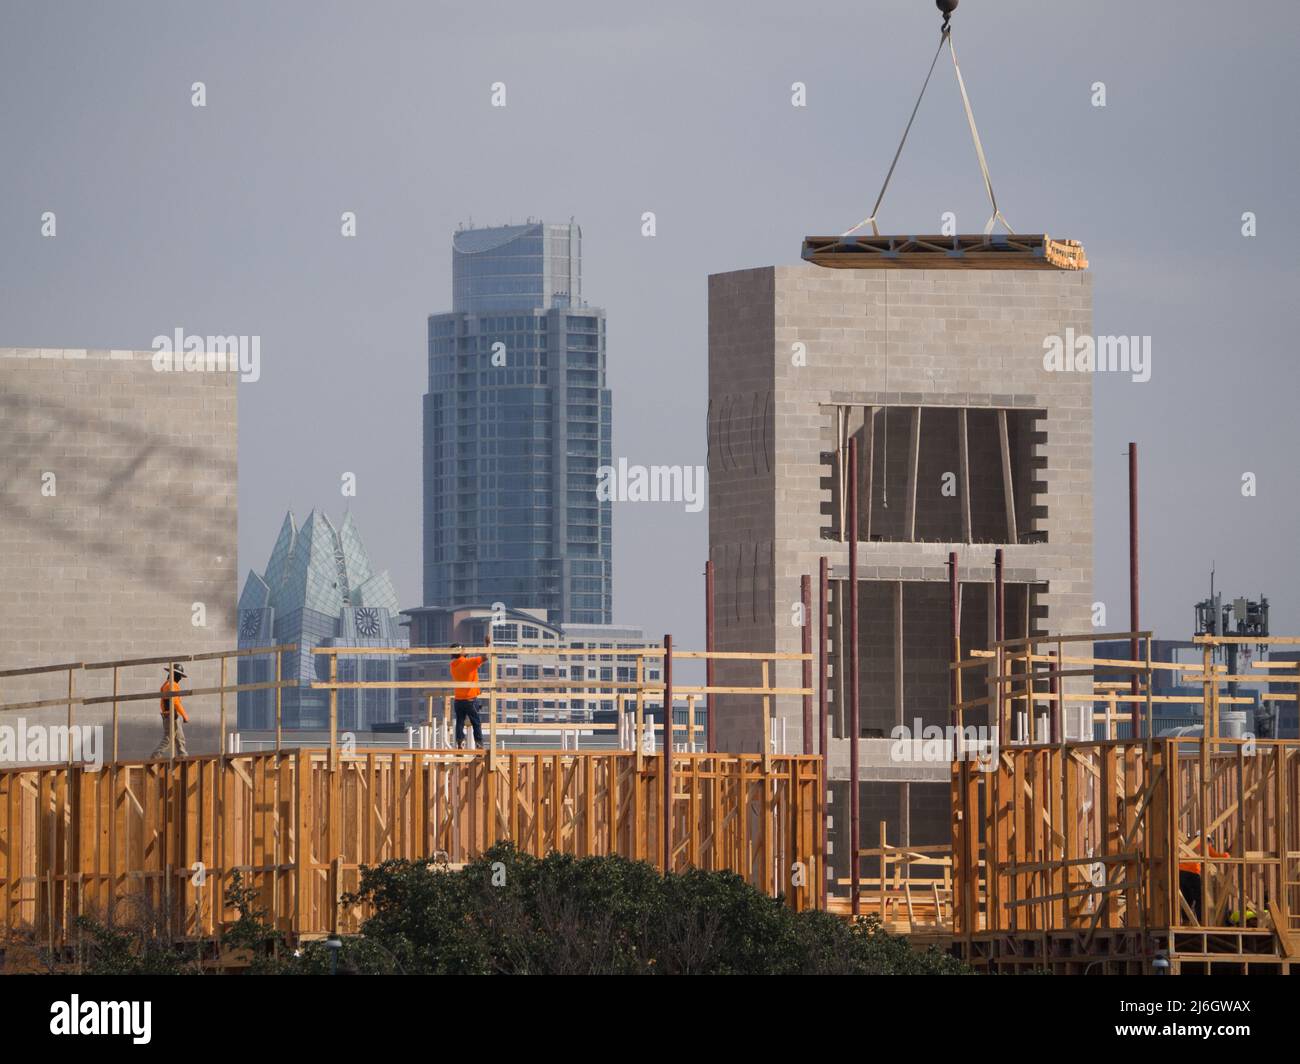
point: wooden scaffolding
(1118, 852)
(158, 842)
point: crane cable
(945, 37)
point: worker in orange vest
(464, 671)
(1189, 877)
(171, 719)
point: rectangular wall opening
(944, 474)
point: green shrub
(512, 913)
(128, 950)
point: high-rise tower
(516, 426)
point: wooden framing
(641, 691)
(159, 840)
(1068, 855)
(1065, 856)
(123, 843)
(1096, 836)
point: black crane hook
(947, 7)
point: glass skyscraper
(319, 590)
(517, 421)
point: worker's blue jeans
(468, 710)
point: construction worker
(465, 672)
(171, 720)
(1189, 877)
(1252, 917)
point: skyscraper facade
(319, 589)
(517, 422)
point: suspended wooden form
(159, 841)
(994, 251)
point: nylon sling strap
(945, 38)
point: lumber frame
(1047, 879)
(298, 825)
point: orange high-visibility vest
(466, 669)
(1195, 866)
(172, 685)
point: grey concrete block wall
(918, 812)
(742, 490)
(928, 338)
(140, 527)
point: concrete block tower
(966, 443)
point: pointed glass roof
(318, 567)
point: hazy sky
(226, 219)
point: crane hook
(947, 7)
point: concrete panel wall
(141, 524)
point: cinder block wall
(919, 812)
(742, 493)
(929, 338)
(108, 559)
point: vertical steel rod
(709, 648)
(954, 632)
(822, 634)
(668, 754)
(855, 798)
(999, 599)
(1133, 612)
(1000, 629)
(805, 607)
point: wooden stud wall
(1064, 848)
(159, 841)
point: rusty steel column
(668, 754)
(855, 799)
(999, 614)
(954, 630)
(805, 603)
(1054, 708)
(999, 599)
(823, 576)
(709, 743)
(1133, 618)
